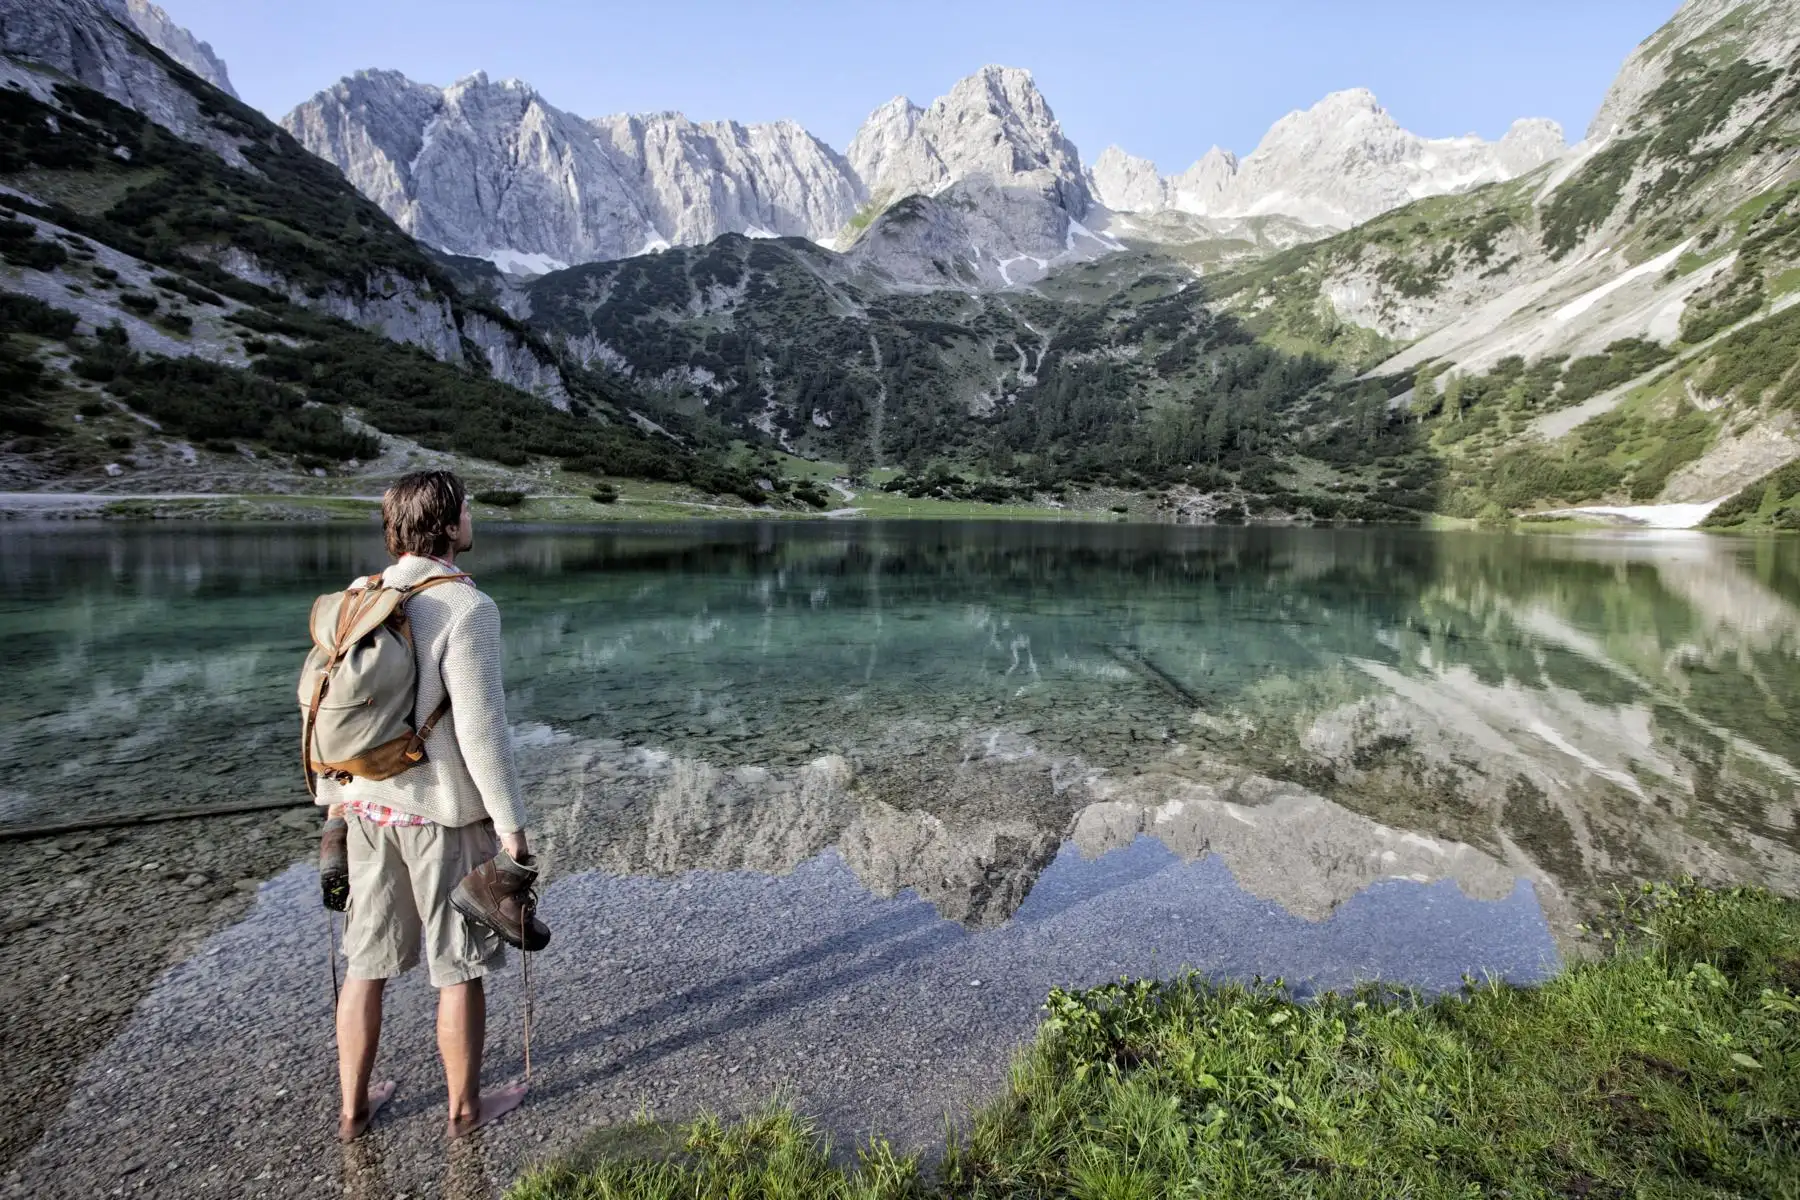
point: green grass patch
(1669, 1066)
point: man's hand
(517, 847)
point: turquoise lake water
(952, 710)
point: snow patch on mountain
(516, 262)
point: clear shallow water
(987, 716)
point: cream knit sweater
(468, 770)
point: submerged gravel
(711, 990)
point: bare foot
(351, 1127)
(492, 1106)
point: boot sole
(471, 911)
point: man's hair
(421, 511)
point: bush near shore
(1669, 1066)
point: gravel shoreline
(711, 989)
(92, 919)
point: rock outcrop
(1766, 31)
(93, 43)
(179, 44)
(994, 125)
(1126, 183)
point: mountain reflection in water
(949, 707)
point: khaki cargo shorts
(401, 877)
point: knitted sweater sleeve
(471, 672)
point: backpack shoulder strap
(431, 581)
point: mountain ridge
(1335, 165)
(1024, 186)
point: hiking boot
(499, 895)
(334, 864)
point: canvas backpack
(360, 684)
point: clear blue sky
(1163, 79)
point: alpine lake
(827, 808)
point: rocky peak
(1003, 100)
(97, 44)
(1126, 183)
(1342, 161)
(1530, 142)
(1343, 124)
(374, 121)
(178, 43)
(1201, 188)
(883, 136)
(994, 123)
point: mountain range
(1335, 165)
(494, 170)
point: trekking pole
(525, 956)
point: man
(413, 837)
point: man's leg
(359, 1034)
(381, 940)
(462, 1030)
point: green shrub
(1769, 496)
(177, 322)
(199, 399)
(191, 290)
(605, 494)
(21, 376)
(1586, 199)
(28, 314)
(138, 303)
(20, 246)
(1757, 359)
(1683, 440)
(811, 494)
(36, 255)
(1623, 361)
(500, 498)
(1702, 320)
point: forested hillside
(220, 295)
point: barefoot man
(414, 837)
